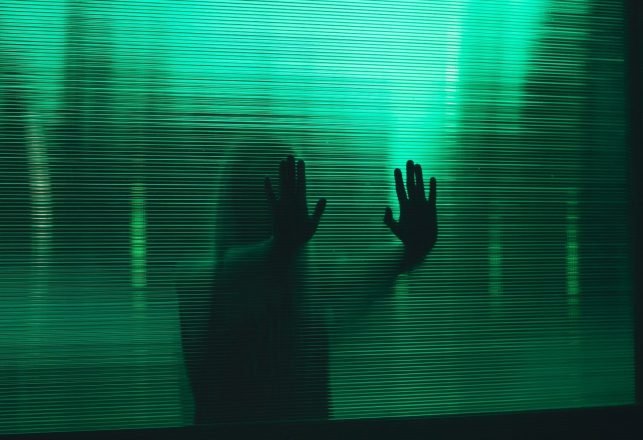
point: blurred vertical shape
(495, 260)
(73, 125)
(494, 67)
(148, 145)
(38, 330)
(575, 348)
(605, 244)
(554, 117)
(140, 107)
(19, 227)
(15, 195)
(573, 283)
(138, 245)
(92, 223)
(576, 103)
(569, 100)
(41, 209)
(158, 232)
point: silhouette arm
(416, 231)
(271, 265)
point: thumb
(319, 210)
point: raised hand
(292, 226)
(417, 227)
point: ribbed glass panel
(134, 140)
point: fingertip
(419, 178)
(409, 168)
(301, 173)
(319, 209)
(290, 164)
(433, 190)
(321, 204)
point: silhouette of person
(260, 354)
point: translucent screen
(134, 141)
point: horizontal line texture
(134, 141)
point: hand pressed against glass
(417, 226)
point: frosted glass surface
(117, 119)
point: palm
(417, 227)
(292, 225)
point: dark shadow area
(260, 350)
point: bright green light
(132, 107)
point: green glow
(112, 190)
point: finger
(399, 187)
(301, 182)
(270, 194)
(319, 210)
(433, 191)
(388, 219)
(410, 179)
(419, 182)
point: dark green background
(117, 115)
